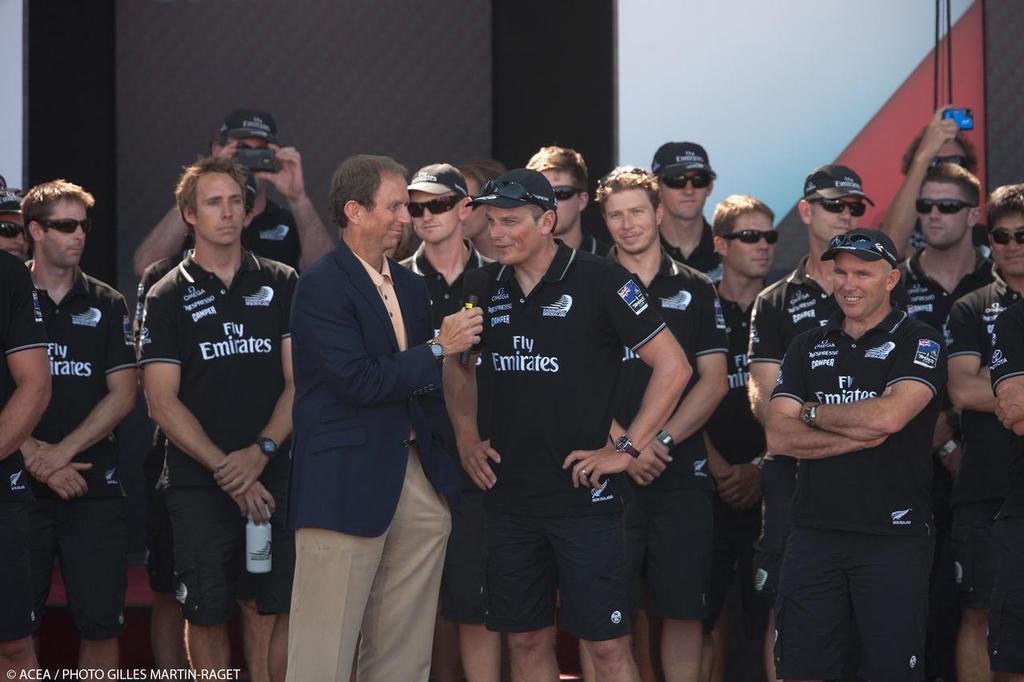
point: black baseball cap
(249, 123)
(863, 243)
(10, 200)
(835, 182)
(675, 158)
(515, 188)
(439, 178)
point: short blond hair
(560, 159)
(735, 206)
(185, 192)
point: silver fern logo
(559, 308)
(678, 301)
(90, 318)
(275, 234)
(263, 296)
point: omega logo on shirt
(235, 343)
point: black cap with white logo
(835, 182)
(675, 158)
(866, 244)
(439, 178)
(518, 187)
(249, 123)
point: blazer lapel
(361, 283)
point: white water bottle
(257, 547)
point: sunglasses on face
(1003, 236)
(946, 206)
(9, 229)
(436, 206)
(862, 243)
(698, 180)
(838, 206)
(516, 192)
(67, 225)
(565, 192)
(753, 236)
(955, 159)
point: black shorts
(974, 554)
(669, 537)
(732, 561)
(209, 555)
(159, 538)
(583, 558)
(463, 597)
(17, 617)
(1006, 611)
(778, 483)
(90, 538)
(885, 581)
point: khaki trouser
(383, 588)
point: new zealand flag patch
(927, 353)
(633, 296)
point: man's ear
(353, 211)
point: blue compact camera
(964, 118)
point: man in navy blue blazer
(368, 477)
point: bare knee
(16, 650)
(609, 652)
(531, 643)
(976, 618)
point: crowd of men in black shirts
(641, 427)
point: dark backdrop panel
(71, 131)
(554, 84)
(412, 80)
(1004, 91)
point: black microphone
(474, 284)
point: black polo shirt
(732, 427)
(783, 311)
(228, 344)
(927, 300)
(594, 246)
(447, 300)
(986, 444)
(703, 259)
(1008, 361)
(689, 305)
(272, 234)
(21, 328)
(884, 490)
(555, 354)
(152, 274)
(90, 336)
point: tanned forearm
(701, 402)
(460, 395)
(790, 435)
(314, 238)
(107, 414)
(901, 215)
(162, 241)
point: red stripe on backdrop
(877, 151)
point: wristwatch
(624, 444)
(665, 438)
(810, 415)
(436, 348)
(266, 446)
